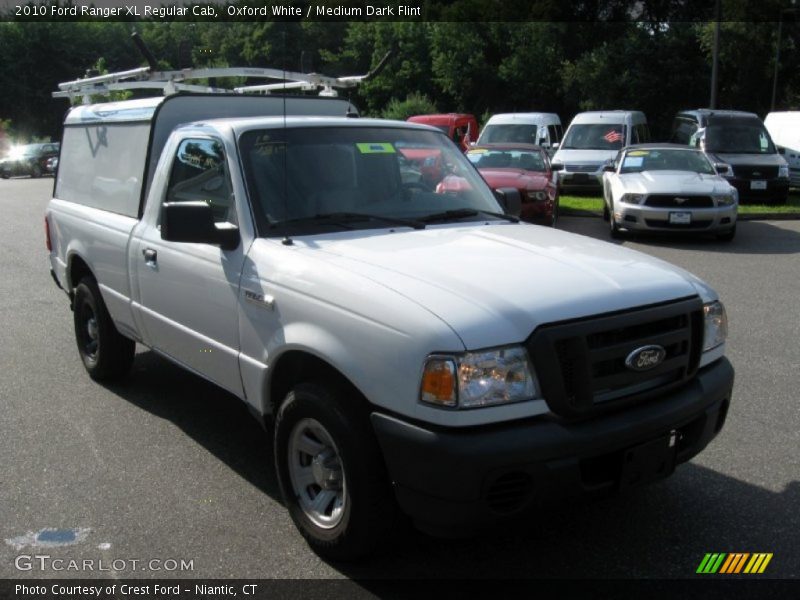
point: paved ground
(168, 467)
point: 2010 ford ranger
(419, 352)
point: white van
(542, 129)
(784, 129)
(592, 139)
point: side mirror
(609, 168)
(722, 169)
(556, 167)
(555, 145)
(510, 200)
(781, 150)
(194, 222)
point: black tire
(613, 228)
(728, 235)
(368, 514)
(4, 174)
(36, 171)
(555, 215)
(106, 354)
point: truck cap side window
(199, 173)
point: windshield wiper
(460, 213)
(340, 218)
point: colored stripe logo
(734, 563)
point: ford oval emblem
(645, 358)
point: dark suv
(740, 141)
(28, 160)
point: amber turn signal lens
(439, 382)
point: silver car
(668, 188)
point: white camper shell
(594, 138)
(541, 129)
(110, 151)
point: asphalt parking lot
(168, 467)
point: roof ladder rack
(172, 82)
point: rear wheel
(331, 473)
(106, 354)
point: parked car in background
(52, 164)
(461, 128)
(784, 129)
(740, 140)
(667, 187)
(526, 168)
(541, 129)
(591, 140)
(30, 159)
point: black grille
(695, 224)
(755, 172)
(672, 201)
(581, 364)
(508, 492)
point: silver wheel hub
(316, 473)
(91, 328)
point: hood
(517, 178)
(494, 283)
(755, 160)
(583, 157)
(674, 182)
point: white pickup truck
(416, 352)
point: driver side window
(199, 172)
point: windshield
(510, 134)
(296, 176)
(528, 160)
(636, 161)
(596, 136)
(739, 138)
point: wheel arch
(298, 365)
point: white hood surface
(495, 283)
(674, 182)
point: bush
(414, 104)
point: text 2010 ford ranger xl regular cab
(421, 353)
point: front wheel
(613, 228)
(106, 354)
(331, 473)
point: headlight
(716, 325)
(725, 200)
(783, 171)
(536, 195)
(632, 198)
(475, 379)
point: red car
(461, 128)
(525, 167)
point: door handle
(150, 257)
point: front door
(188, 293)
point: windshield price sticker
(376, 148)
(632, 161)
